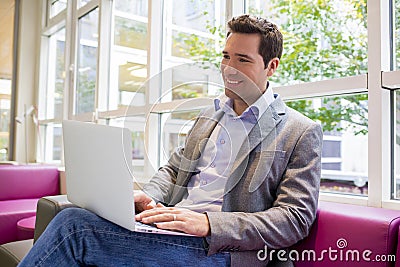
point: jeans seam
(148, 238)
(57, 245)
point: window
(322, 43)
(7, 9)
(129, 68)
(53, 102)
(345, 144)
(87, 62)
(152, 66)
(175, 127)
(56, 7)
(194, 34)
(323, 39)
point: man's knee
(72, 218)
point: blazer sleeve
(161, 185)
(292, 213)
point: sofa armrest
(47, 209)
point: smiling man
(246, 179)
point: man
(247, 178)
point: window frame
(377, 83)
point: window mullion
(378, 104)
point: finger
(158, 210)
(151, 205)
(164, 217)
(172, 225)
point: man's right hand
(143, 201)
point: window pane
(323, 39)
(128, 70)
(57, 7)
(193, 81)
(130, 33)
(194, 14)
(81, 3)
(175, 127)
(50, 136)
(87, 62)
(397, 145)
(5, 105)
(194, 33)
(134, 7)
(136, 124)
(345, 146)
(51, 106)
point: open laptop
(98, 167)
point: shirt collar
(257, 108)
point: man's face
(243, 69)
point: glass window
(175, 127)
(323, 39)
(53, 102)
(397, 144)
(5, 105)
(137, 126)
(50, 140)
(128, 69)
(81, 3)
(87, 62)
(57, 7)
(194, 33)
(7, 9)
(133, 7)
(345, 146)
(191, 81)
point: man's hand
(171, 218)
(142, 201)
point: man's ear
(272, 66)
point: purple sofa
(350, 235)
(21, 186)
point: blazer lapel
(264, 128)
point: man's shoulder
(299, 119)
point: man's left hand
(178, 219)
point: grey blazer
(271, 195)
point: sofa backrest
(350, 235)
(28, 181)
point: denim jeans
(77, 237)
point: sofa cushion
(12, 253)
(345, 232)
(11, 211)
(28, 181)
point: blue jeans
(77, 237)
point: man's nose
(228, 69)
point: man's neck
(239, 106)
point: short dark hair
(271, 42)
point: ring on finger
(174, 215)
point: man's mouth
(231, 81)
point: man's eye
(243, 60)
(225, 56)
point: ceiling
(6, 37)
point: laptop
(98, 168)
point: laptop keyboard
(150, 226)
